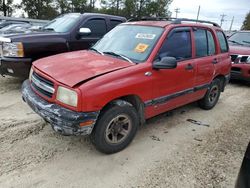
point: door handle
(215, 61)
(189, 67)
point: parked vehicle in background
(15, 29)
(68, 32)
(240, 55)
(5, 23)
(136, 71)
(243, 180)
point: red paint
(70, 69)
(242, 50)
(244, 67)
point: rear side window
(178, 45)
(201, 44)
(98, 27)
(114, 23)
(204, 43)
(211, 44)
(222, 41)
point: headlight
(13, 49)
(31, 72)
(67, 96)
(248, 59)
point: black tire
(108, 125)
(212, 95)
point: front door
(98, 28)
(173, 87)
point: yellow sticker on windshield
(141, 48)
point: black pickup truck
(68, 32)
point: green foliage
(136, 8)
(48, 9)
(40, 9)
(246, 23)
(7, 7)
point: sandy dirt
(168, 151)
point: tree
(246, 23)
(40, 9)
(112, 6)
(6, 6)
(136, 8)
(66, 6)
(63, 6)
(129, 10)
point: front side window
(98, 27)
(132, 41)
(178, 45)
(222, 41)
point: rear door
(224, 60)
(205, 57)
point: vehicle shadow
(240, 83)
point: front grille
(42, 85)
(236, 69)
(239, 59)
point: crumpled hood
(239, 50)
(74, 67)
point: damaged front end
(62, 120)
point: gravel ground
(168, 151)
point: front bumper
(18, 67)
(237, 75)
(64, 121)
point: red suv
(136, 71)
(240, 54)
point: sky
(210, 10)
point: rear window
(114, 23)
(201, 44)
(98, 27)
(211, 43)
(204, 43)
(222, 41)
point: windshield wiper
(119, 55)
(48, 29)
(248, 42)
(93, 49)
(235, 42)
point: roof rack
(174, 20)
(179, 20)
(149, 19)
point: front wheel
(212, 95)
(115, 128)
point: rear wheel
(115, 128)
(212, 95)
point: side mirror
(165, 63)
(84, 31)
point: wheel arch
(222, 78)
(133, 100)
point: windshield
(62, 23)
(242, 38)
(130, 41)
